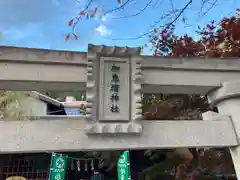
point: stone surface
(227, 100)
(114, 81)
(68, 134)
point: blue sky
(43, 23)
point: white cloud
(105, 18)
(56, 2)
(103, 30)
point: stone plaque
(114, 89)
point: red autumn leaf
(67, 37)
(119, 1)
(94, 12)
(70, 22)
(83, 13)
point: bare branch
(138, 13)
(151, 27)
(117, 8)
(173, 9)
(212, 5)
(203, 3)
(158, 3)
(88, 4)
(166, 26)
(78, 18)
(179, 14)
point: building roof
(44, 98)
(72, 104)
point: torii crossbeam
(114, 79)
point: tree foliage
(90, 11)
(11, 105)
(216, 39)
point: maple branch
(138, 13)
(166, 26)
(88, 4)
(118, 8)
(78, 18)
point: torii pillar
(227, 100)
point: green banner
(58, 167)
(123, 166)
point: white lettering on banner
(122, 171)
(58, 177)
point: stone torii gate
(114, 79)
